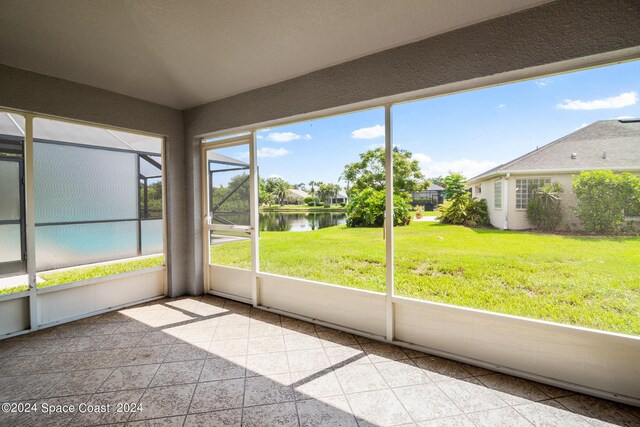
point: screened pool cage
(98, 195)
(229, 198)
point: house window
(478, 189)
(497, 194)
(525, 189)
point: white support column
(255, 219)
(388, 224)
(206, 234)
(30, 220)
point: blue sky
(467, 132)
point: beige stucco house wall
(508, 216)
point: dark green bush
(367, 208)
(343, 204)
(464, 210)
(544, 210)
(605, 198)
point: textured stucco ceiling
(185, 53)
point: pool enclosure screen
(98, 195)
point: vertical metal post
(146, 197)
(388, 164)
(30, 220)
(139, 234)
(255, 219)
(205, 185)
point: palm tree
(313, 190)
(280, 191)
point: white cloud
(582, 125)
(273, 175)
(468, 168)
(259, 137)
(502, 105)
(272, 152)
(285, 136)
(422, 158)
(264, 130)
(625, 118)
(543, 82)
(368, 133)
(374, 146)
(623, 100)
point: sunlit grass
(92, 272)
(89, 272)
(586, 281)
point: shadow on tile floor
(215, 362)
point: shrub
(604, 198)
(544, 210)
(367, 208)
(343, 204)
(308, 200)
(463, 210)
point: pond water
(289, 221)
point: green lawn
(585, 281)
(84, 273)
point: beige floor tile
(108, 400)
(118, 340)
(165, 401)
(347, 355)
(306, 360)
(266, 390)
(157, 338)
(217, 395)
(228, 418)
(229, 332)
(277, 415)
(130, 377)
(177, 373)
(224, 368)
(359, 378)
(301, 341)
(147, 355)
(600, 412)
(266, 364)
(79, 382)
(456, 421)
(470, 395)
(314, 384)
(550, 414)
(25, 387)
(513, 390)
(259, 345)
(332, 338)
(502, 417)
(426, 402)
(400, 373)
(330, 411)
(232, 347)
(159, 422)
(439, 369)
(188, 351)
(290, 326)
(378, 408)
(380, 352)
(47, 417)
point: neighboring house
(295, 197)
(429, 198)
(605, 144)
(340, 198)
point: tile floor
(214, 362)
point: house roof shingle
(605, 144)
